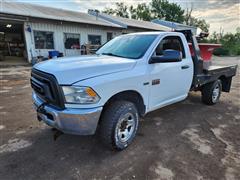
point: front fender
(107, 86)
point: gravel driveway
(187, 140)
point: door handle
(185, 67)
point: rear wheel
(211, 92)
(119, 124)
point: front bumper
(69, 120)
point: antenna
(1, 6)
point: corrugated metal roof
(134, 23)
(30, 10)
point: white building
(28, 31)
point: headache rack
(47, 89)
(204, 72)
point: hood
(69, 70)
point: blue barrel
(53, 54)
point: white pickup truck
(128, 77)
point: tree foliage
(192, 21)
(230, 42)
(121, 10)
(162, 9)
(158, 9)
(141, 12)
(200, 23)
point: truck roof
(155, 33)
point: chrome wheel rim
(215, 93)
(125, 127)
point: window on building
(109, 36)
(94, 39)
(43, 40)
(71, 41)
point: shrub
(221, 52)
(230, 43)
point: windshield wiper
(111, 54)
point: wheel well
(226, 83)
(130, 95)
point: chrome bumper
(69, 120)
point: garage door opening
(12, 44)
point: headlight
(80, 95)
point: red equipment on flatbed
(206, 50)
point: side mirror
(168, 56)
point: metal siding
(58, 33)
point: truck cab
(171, 78)
(128, 77)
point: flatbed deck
(217, 69)
(224, 73)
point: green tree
(191, 21)
(214, 38)
(121, 10)
(141, 12)
(230, 42)
(162, 9)
(158, 9)
(109, 11)
(200, 23)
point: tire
(211, 92)
(117, 117)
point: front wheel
(211, 92)
(119, 124)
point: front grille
(46, 87)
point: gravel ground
(187, 140)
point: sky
(223, 14)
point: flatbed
(225, 73)
(204, 71)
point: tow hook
(41, 109)
(39, 118)
(56, 134)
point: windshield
(127, 46)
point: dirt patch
(14, 145)
(162, 172)
(232, 158)
(201, 144)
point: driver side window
(170, 42)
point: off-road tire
(109, 121)
(208, 90)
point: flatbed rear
(230, 70)
(213, 73)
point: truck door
(170, 81)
